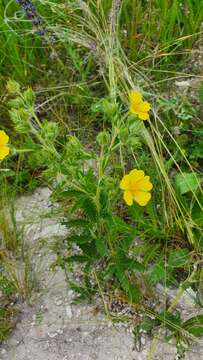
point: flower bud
(103, 138)
(13, 87)
(109, 108)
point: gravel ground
(54, 329)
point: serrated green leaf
(89, 208)
(194, 325)
(132, 290)
(78, 239)
(158, 273)
(101, 246)
(16, 103)
(75, 223)
(178, 258)
(70, 193)
(186, 182)
(134, 294)
(76, 258)
(171, 321)
(29, 97)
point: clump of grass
(16, 255)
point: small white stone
(70, 293)
(143, 340)
(52, 335)
(182, 84)
(58, 302)
(69, 311)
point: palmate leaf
(89, 208)
(170, 321)
(78, 239)
(70, 193)
(101, 246)
(194, 325)
(76, 223)
(90, 250)
(158, 273)
(126, 263)
(132, 290)
(86, 243)
(84, 292)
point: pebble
(58, 302)
(70, 293)
(143, 340)
(52, 335)
(182, 84)
(69, 311)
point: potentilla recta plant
(98, 186)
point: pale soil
(53, 328)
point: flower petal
(135, 97)
(144, 106)
(4, 139)
(143, 115)
(144, 184)
(136, 175)
(128, 197)
(142, 197)
(124, 184)
(4, 151)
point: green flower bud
(29, 97)
(20, 118)
(109, 108)
(49, 131)
(103, 138)
(13, 87)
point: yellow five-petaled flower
(136, 187)
(138, 106)
(4, 149)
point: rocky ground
(55, 329)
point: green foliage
(200, 93)
(186, 182)
(79, 138)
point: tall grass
(94, 25)
(20, 49)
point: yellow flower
(138, 106)
(136, 187)
(4, 149)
